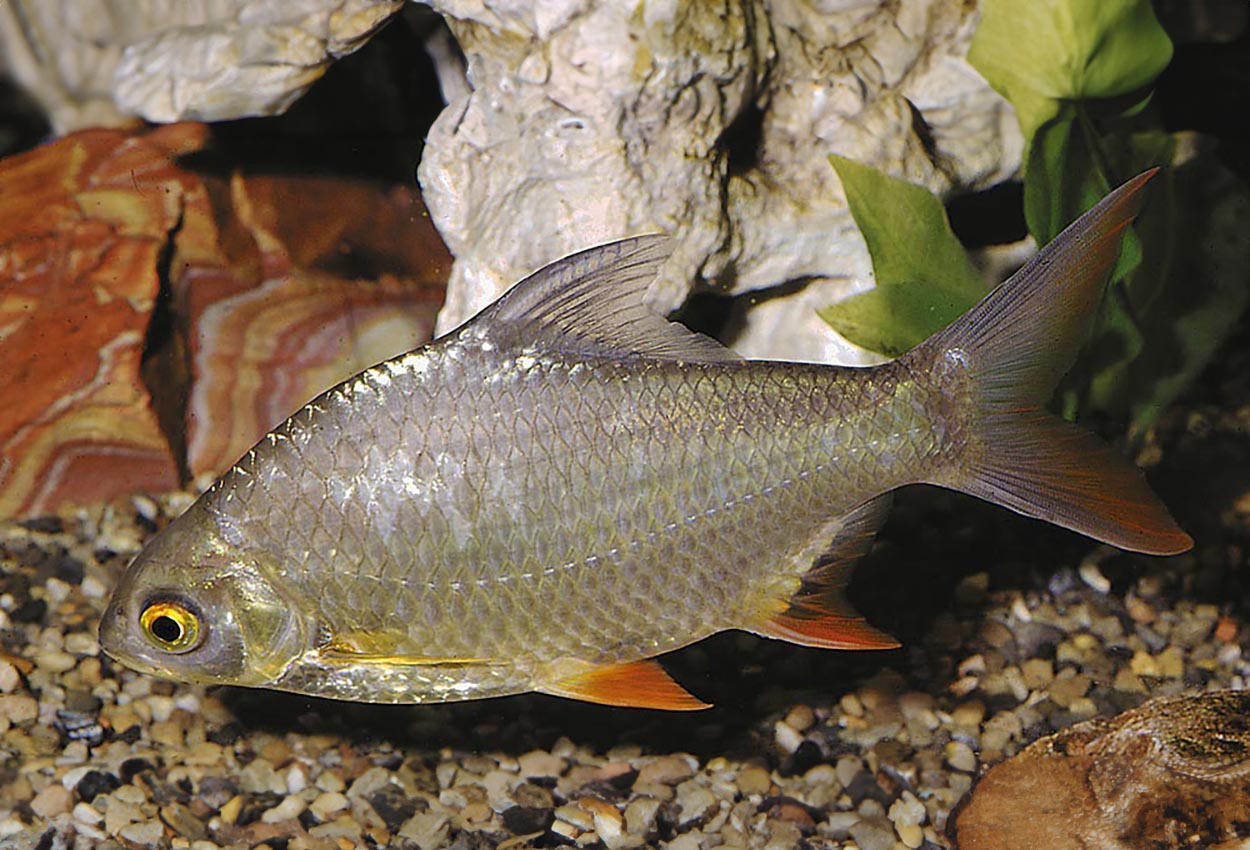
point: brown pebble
(54, 800)
(793, 812)
(755, 780)
(1226, 630)
(665, 770)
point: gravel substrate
(1011, 631)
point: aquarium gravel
(1010, 631)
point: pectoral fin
(819, 615)
(636, 684)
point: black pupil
(166, 629)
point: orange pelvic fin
(819, 615)
(635, 684)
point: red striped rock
(320, 277)
(278, 287)
(83, 223)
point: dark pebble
(307, 819)
(865, 786)
(803, 759)
(68, 569)
(131, 768)
(30, 611)
(255, 806)
(537, 797)
(95, 783)
(1062, 581)
(216, 791)
(131, 734)
(82, 703)
(393, 805)
(526, 820)
(1037, 640)
(43, 524)
(225, 736)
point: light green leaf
(924, 279)
(1041, 53)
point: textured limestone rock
(588, 120)
(95, 62)
(593, 120)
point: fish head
(193, 608)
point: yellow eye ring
(170, 626)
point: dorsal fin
(591, 304)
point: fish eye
(171, 626)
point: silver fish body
(568, 486)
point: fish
(569, 485)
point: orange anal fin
(636, 684)
(824, 631)
(819, 615)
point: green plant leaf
(1040, 54)
(924, 279)
(1184, 299)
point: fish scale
(569, 486)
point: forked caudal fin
(1013, 347)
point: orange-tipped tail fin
(1007, 354)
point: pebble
(149, 833)
(961, 757)
(84, 813)
(755, 780)
(694, 801)
(666, 770)
(873, 834)
(52, 801)
(327, 803)
(290, 807)
(428, 830)
(640, 815)
(18, 708)
(10, 678)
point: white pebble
(149, 833)
(907, 810)
(82, 643)
(93, 588)
(788, 738)
(327, 804)
(287, 809)
(57, 590)
(162, 708)
(86, 813)
(10, 679)
(961, 757)
(1092, 575)
(74, 775)
(296, 779)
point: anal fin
(819, 615)
(634, 684)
